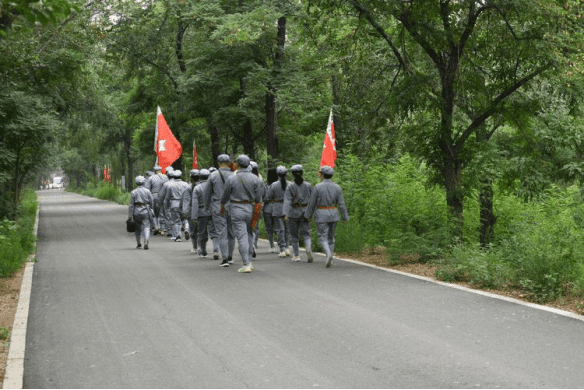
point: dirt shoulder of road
(9, 295)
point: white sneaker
(178, 239)
(246, 269)
(251, 266)
(296, 258)
(282, 254)
(288, 253)
(194, 250)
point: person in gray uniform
(154, 185)
(256, 231)
(221, 221)
(295, 202)
(242, 190)
(276, 197)
(140, 210)
(186, 188)
(269, 220)
(211, 229)
(199, 213)
(171, 197)
(186, 209)
(326, 197)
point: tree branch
(494, 104)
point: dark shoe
(139, 246)
(230, 260)
(253, 254)
(215, 255)
(146, 247)
(187, 235)
(225, 263)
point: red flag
(168, 149)
(195, 158)
(329, 150)
(105, 173)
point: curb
(14, 374)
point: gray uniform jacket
(140, 200)
(155, 183)
(198, 201)
(326, 197)
(276, 198)
(215, 189)
(268, 207)
(173, 191)
(235, 192)
(185, 202)
(296, 199)
(163, 190)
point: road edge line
(14, 372)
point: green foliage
(4, 333)
(103, 191)
(17, 239)
(391, 206)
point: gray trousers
(142, 227)
(269, 224)
(175, 221)
(203, 233)
(193, 230)
(213, 236)
(224, 231)
(326, 236)
(283, 232)
(242, 231)
(299, 226)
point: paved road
(106, 315)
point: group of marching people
(221, 204)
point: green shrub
(17, 239)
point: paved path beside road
(106, 315)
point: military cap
(204, 173)
(169, 169)
(224, 158)
(212, 169)
(140, 180)
(157, 168)
(281, 170)
(326, 170)
(243, 160)
(149, 173)
(194, 172)
(296, 168)
(177, 173)
(253, 164)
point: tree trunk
(454, 198)
(270, 127)
(214, 133)
(271, 114)
(488, 218)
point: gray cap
(177, 173)
(224, 158)
(281, 170)
(204, 172)
(140, 180)
(253, 164)
(243, 160)
(157, 168)
(149, 173)
(326, 170)
(169, 169)
(296, 168)
(194, 172)
(212, 169)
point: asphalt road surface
(106, 315)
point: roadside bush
(17, 239)
(103, 191)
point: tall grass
(17, 238)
